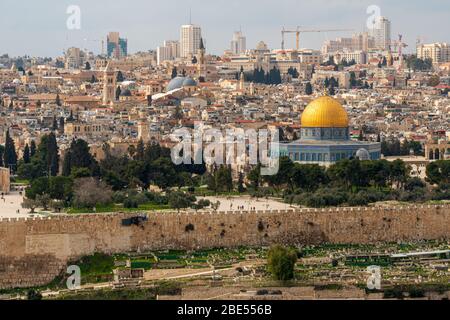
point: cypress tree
(10, 156)
(26, 154)
(61, 124)
(52, 155)
(308, 89)
(32, 149)
(55, 124)
(58, 100)
(2, 150)
(140, 150)
(67, 167)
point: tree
(281, 262)
(308, 89)
(223, 177)
(118, 92)
(37, 187)
(90, 192)
(140, 150)
(180, 200)
(26, 154)
(30, 204)
(215, 205)
(284, 174)
(48, 152)
(55, 124)
(438, 172)
(120, 77)
(241, 187)
(9, 155)
(87, 66)
(254, 176)
(80, 156)
(178, 114)
(353, 81)
(61, 125)
(43, 200)
(67, 164)
(434, 81)
(34, 295)
(174, 72)
(58, 100)
(2, 151)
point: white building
(438, 52)
(359, 57)
(190, 36)
(381, 32)
(238, 44)
(169, 51)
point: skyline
(147, 24)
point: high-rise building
(116, 47)
(381, 32)
(74, 58)
(170, 50)
(238, 44)
(438, 52)
(358, 42)
(190, 36)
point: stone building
(437, 150)
(5, 180)
(325, 136)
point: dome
(126, 93)
(362, 154)
(189, 82)
(175, 83)
(324, 112)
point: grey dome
(362, 154)
(189, 82)
(175, 83)
(126, 93)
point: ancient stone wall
(32, 251)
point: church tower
(109, 85)
(242, 81)
(201, 62)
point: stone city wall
(34, 251)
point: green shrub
(281, 262)
(130, 203)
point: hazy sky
(38, 27)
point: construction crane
(298, 31)
(97, 40)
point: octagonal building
(325, 136)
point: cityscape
(269, 169)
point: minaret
(201, 61)
(109, 85)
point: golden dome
(324, 112)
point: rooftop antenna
(190, 15)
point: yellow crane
(298, 31)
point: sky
(39, 27)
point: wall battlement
(28, 245)
(67, 217)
